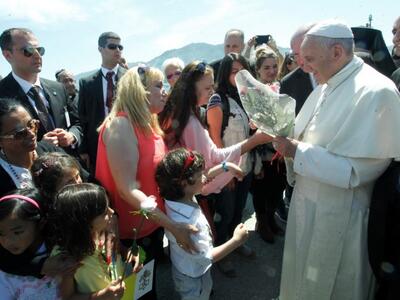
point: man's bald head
(234, 41)
(296, 40)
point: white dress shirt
(192, 265)
(26, 86)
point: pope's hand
(285, 146)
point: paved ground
(258, 279)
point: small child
(22, 222)
(81, 214)
(180, 177)
(52, 171)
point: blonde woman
(267, 67)
(173, 69)
(130, 147)
(269, 184)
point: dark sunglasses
(115, 46)
(29, 50)
(32, 125)
(177, 73)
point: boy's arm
(239, 237)
(223, 250)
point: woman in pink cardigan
(182, 121)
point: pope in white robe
(345, 136)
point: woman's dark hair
(182, 102)
(48, 171)
(74, 209)
(23, 209)
(224, 87)
(177, 166)
(7, 106)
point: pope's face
(318, 60)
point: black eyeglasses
(115, 46)
(29, 50)
(32, 125)
(177, 73)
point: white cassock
(349, 129)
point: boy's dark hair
(6, 41)
(171, 172)
(23, 209)
(74, 209)
(102, 42)
(48, 171)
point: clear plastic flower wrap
(272, 113)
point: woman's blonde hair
(263, 53)
(132, 93)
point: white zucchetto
(334, 29)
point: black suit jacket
(58, 99)
(396, 78)
(297, 85)
(384, 232)
(91, 112)
(215, 65)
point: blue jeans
(229, 209)
(190, 288)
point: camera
(263, 39)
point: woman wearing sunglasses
(18, 146)
(288, 65)
(172, 70)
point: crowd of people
(80, 166)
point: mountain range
(195, 51)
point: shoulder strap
(226, 110)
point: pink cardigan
(195, 137)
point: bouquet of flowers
(272, 113)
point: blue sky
(69, 29)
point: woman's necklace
(23, 180)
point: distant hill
(195, 51)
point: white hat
(331, 29)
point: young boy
(180, 177)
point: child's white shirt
(193, 265)
(28, 287)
